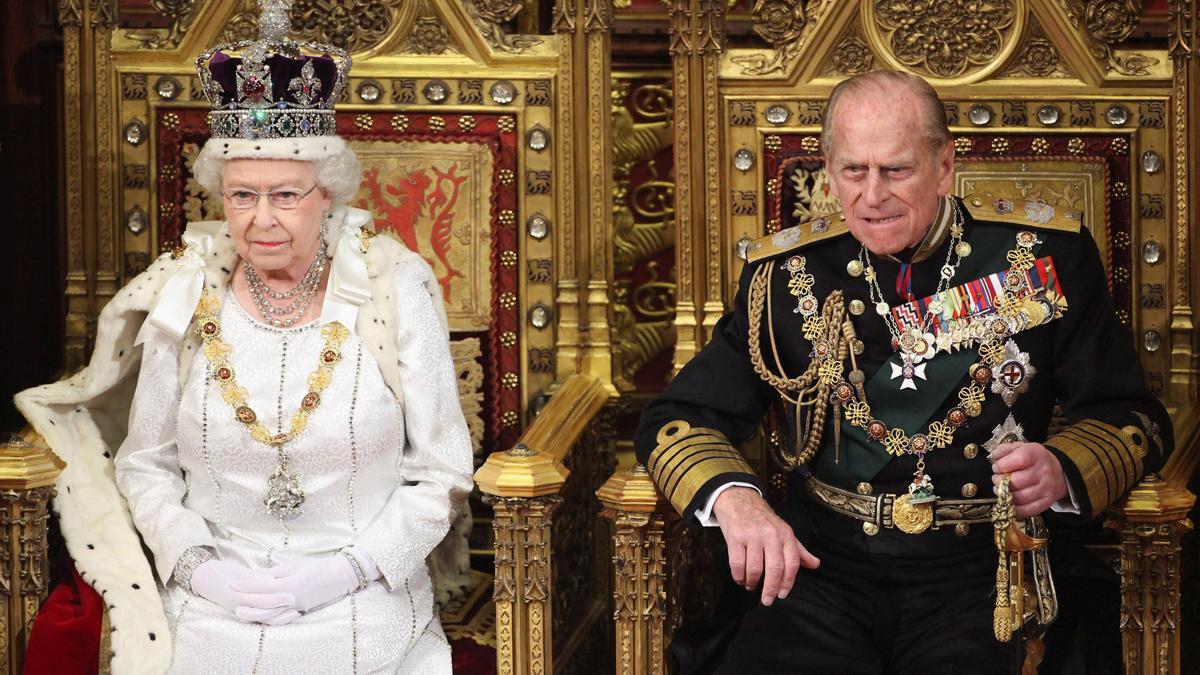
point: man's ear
(944, 168)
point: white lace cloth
(394, 501)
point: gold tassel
(1002, 618)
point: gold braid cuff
(686, 458)
(1109, 459)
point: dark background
(31, 276)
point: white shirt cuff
(1067, 505)
(705, 515)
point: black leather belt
(895, 511)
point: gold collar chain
(285, 498)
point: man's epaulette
(1026, 214)
(797, 237)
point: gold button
(857, 307)
(977, 202)
(871, 529)
(961, 529)
(971, 451)
(969, 490)
(864, 488)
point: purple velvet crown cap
(283, 69)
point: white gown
(193, 476)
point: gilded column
(567, 21)
(70, 17)
(108, 275)
(683, 35)
(27, 474)
(522, 486)
(1151, 520)
(639, 570)
(598, 360)
(1185, 119)
(712, 43)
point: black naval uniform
(888, 601)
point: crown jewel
(272, 89)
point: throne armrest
(28, 470)
(524, 486)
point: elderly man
(918, 342)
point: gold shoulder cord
(828, 331)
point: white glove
(310, 582)
(214, 580)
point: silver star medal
(1007, 431)
(1012, 375)
(908, 370)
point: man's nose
(877, 190)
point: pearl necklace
(303, 293)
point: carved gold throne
(1049, 101)
(484, 145)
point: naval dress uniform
(898, 375)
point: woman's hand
(309, 583)
(214, 580)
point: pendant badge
(285, 497)
(909, 371)
(1008, 431)
(1011, 376)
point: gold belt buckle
(911, 518)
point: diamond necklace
(303, 292)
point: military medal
(1011, 376)
(908, 370)
(914, 341)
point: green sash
(858, 459)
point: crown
(269, 88)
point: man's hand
(759, 541)
(1037, 480)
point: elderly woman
(295, 446)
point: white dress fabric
(192, 476)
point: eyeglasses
(242, 199)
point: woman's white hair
(337, 170)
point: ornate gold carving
(785, 25)
(106, 227)
(944, 39)
(490, 15)
(1107, 23)
(1037, 56)
(1151, 522)
(27, 475)
(852, 56)
(104, 15)
(779, 22)
(428, 34)
(69, 13)
(354, 25)
(643, 218)
(638, 144)
(639, 570)
(1184, 29)
(467, 355)
(180, 13)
